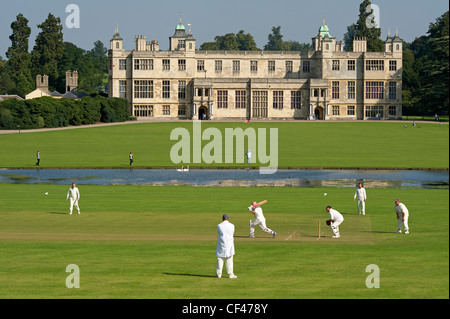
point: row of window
(148, 110)
(144, 89)
(148, 64)
(260, 108)
(371, 111)
(259, 99)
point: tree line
(51, 56)
(48, 112)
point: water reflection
(232, 177)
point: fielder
(360, 194)
(256, 210)
(402, 216)
(74, 195)
(335, 220)
(225, 247)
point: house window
(241, 100)
(182, 90)
(351, 65)
(181, 65)
(335, 90)
(143, 89)
(181, 44)
(123, 89)
(392, 65)
(200, 65)
(222, 99)
(374, 111)
(143, 110)
(253, 66)
(289, 67)
(166, 64)
(143, 64)
(335, 65)
(392, 90)
(351, 90)
(335, 110)
(166, 110)
(182, 110)
(278, 100)
(122, 64)
(218, 66)
(306, 66)
(351, 110)
(375, 65)
(296, 100)
(236, 66)
(271, 66)
(374, 90)
(259, 104)
(392, 111)
(166, 89)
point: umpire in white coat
(225, 247)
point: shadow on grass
(191, 275)
(58, 213)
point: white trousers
(361, 206)
(228, 263)
(401, 223)
(74, 202)
(262, 224)
(335, 227)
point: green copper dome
(323, 31)
(180, 27)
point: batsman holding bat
(255, 209)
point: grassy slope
(359, 144)
(141, 242)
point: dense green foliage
(50, 112)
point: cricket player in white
(336, 219)
(402, 216)
(259, 220)
(361, 196)
(74, 195)
(225, 247)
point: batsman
(255, 209)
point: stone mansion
(326, 83)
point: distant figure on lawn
(131, 158)
(38, 158)
(74, 195)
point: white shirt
(335, 215)
(225, 242)
(360, 194)
(401, 209)
(249, 154)
(73, 193)
(258, 212)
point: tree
(49, 49)
(232, 42)
(276, 42)
(19, 60)
(364, 29)
(297, 46)
(246, 42)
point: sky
(299, 19)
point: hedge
(50, 112)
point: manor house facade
(326, 83)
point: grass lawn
(315, 144)
(159, 242)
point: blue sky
(299, 19)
